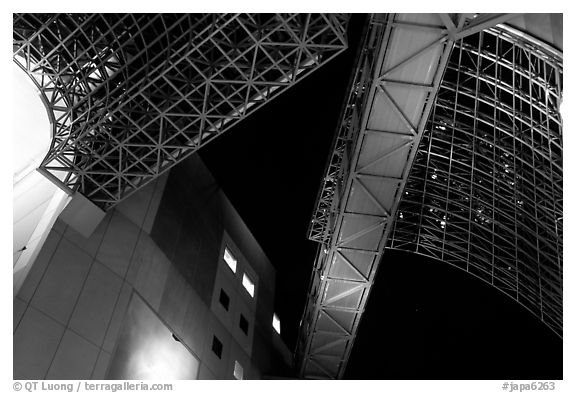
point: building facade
(170, 285)
(124, 254)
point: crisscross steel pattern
(402, 60)
(131, 95)
(479, 185)
(485, 191)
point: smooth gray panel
(195, 329)
(188, 225)
(17, 312)
(117, 317)
(101, 365)
(136, 205)
(82, 214)
(96, 303)
(155, 203)
(169, 216)
(59, 226)
(91, 244)
(205, 372)
(118, 244)
(39, 267)
(75, 358)
(253, 373)
(151, 277)
(144, 252)
(174, 300)
(59, 289)
(35, 343)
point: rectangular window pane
(224, 299)
(229, 259)
(243, 324)
(276, 323)
(238, 370)
(217, 347)
(248, 284)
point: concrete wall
(70, 307)
(195, 220)
(163, 244)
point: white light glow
(148, 350)
(37, 202)
(276, 323)
(31, 133)
(248, 284)
(238, 370)
(230, 260)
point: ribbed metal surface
(131, 95)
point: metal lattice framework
(485, 191)
(479, 185)
(131, 95)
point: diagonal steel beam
(433, 55)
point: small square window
(248, 284)
(243, 324)
(217, 347)
(230, 260)
(224, 299)
(276, 323)
(238, 370)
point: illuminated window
(248, 284)
(224, 299)
(217, 347)
(243, 324)
(276, 323)
(238, 370)
(229, 259)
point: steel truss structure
(473, 186)
(485, 191)
(131, 95)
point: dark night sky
(424, 319)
